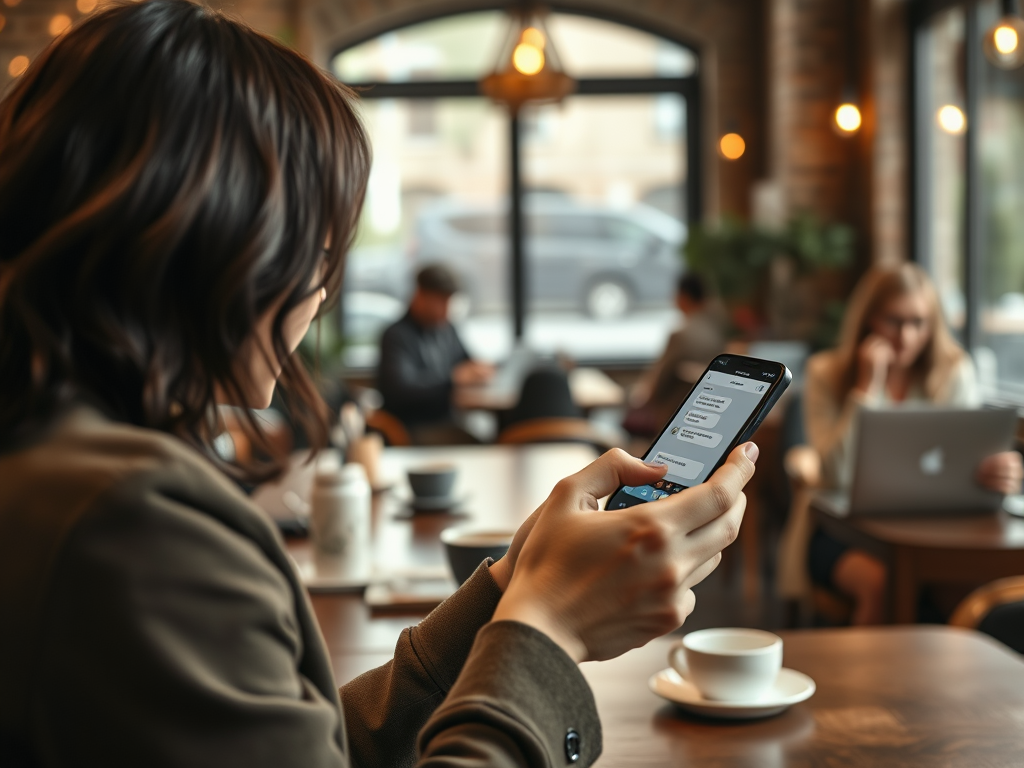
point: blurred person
(689, 350)
(422, 360)
(177, 193)
(895, 347)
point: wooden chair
(975, 609)
(388, 425)
(558, 430)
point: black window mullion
(974, 246)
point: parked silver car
(605, 261)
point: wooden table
(590, 387)
(921, 696)
(499, 485)
(962, 551)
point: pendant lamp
(1004, 43)
(528, 68)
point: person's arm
(829, 424)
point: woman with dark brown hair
(177, 193)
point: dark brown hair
(167, 175)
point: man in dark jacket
(422, 359)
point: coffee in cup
(730, 664)
(468, 546)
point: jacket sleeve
(830, 424)
(169, 639)
(505, 692)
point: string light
(951, 119)
(848, 118)
(732, 146)
(59, 24)
(17, 66)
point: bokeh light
(1005, 39)
(86, 6)
(11, 3)
(59, 24)
(17, 66)
(732, 146)
(528, 59)
(951, 119)
(848, 118)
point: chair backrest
(389, 425)
(996, 609)
(555, 430)
(545, 395)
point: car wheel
(608, 299)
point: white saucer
(790, 687)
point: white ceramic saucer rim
(761, 704)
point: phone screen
(704, 427)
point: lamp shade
(527, 68)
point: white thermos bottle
(340, 517)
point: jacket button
(572, 745)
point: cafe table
(932, 551)
(893, 696)
(590, 388)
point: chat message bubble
(688, 469)
(712, 402)
(700, 437)
(701, 419)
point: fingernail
(656, 465)
(752, 451)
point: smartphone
(724, 409)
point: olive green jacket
(149, 616)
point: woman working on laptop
(894, 347)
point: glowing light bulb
(951, 119)
(17, 66)
(528, 59)
(86, 6)
(848, 118)
(1005, 40)
(59, 23)
(732, 146)
(534, 37)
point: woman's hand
(601, 583)
(1001, 472)
(874, 356)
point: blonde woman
(895, 347)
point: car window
(625, 230)
(479, 224)
(567, 226)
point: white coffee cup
(729, 664)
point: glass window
(601, 262)
(414, 213)
(464, 47)
(945, 161)
(604, 180)
(1001, 221)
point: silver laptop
(922, 461)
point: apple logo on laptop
(931, 461)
